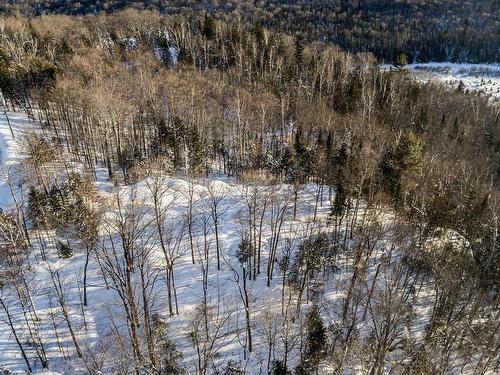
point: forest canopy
(424, 30)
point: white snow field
(11, 152)
(95, 324)
(476, 78)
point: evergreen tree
(353, 96)
(64, 250)
(408, 152)
(316, 334)
(402, 162)
(302, 158)
(39, 150)
(279, 368)
(401, 60)
(259, 34)
(196, 151)
(347, 99)
(244, 249)
(37, 202)
(315, 343)
(6, 79)
(314, 252)
(209, 27)
(455, 130)
(163, 49)
(341, 200)
(169, 359)
(161, 144)
(422, 121)
(233, 368)
(285, 164)
(299, 50)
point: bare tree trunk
(85, 269)
(247, 311)
(6, 114)
(56, 281)
(16, 337)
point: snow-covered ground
(95, 324)
(104, 306)
(482, 78)
(11, 151)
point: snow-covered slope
(11, 152)
(93, 324)
(272, 317)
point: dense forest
(352, 211)
(425, 30)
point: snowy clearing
(477, 78)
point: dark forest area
(424, 30)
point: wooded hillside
(444, 30)
(273, 179)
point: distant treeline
(424, 30)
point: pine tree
(259, 34)
(58, 211)
(315, 343)
(169, 359)
(164, 52)
(408, 152)
(455, 130)
(279, 368)
(209, 27)
(401, 60)
(316, 334)
(39, 150)
(353, 96)
(6, 79)
(302, 158)
(64, 250)
(461, 87)
(401, 163)
(341, 200)
(299, 50)
(422, 121)
(244, 249)
(233, 368)
(196, 151)
(37, 202)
